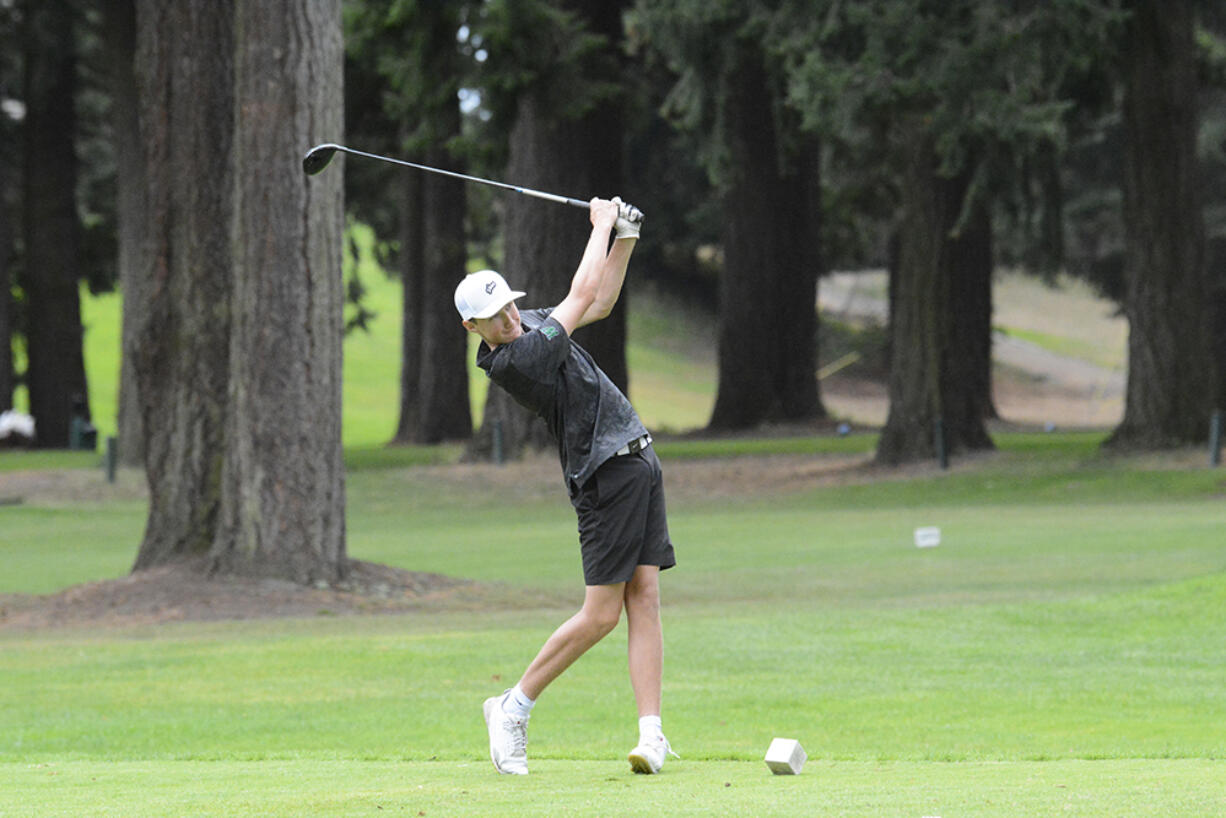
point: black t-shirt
(548, 373)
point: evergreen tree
(948, 97)
(730, 95)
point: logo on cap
(489, 288)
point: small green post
(1215, 438)
(496, 442)
(938, 434)
(112, 455)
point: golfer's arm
(612, 277)
(585, 286)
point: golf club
(318, 157)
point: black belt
(634, 447)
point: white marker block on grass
(785, 756)
(927, 537)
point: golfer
(612, 475)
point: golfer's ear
(468, 325)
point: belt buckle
(635, 446)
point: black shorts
(622, 523)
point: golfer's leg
(602, 607)
(645, 638)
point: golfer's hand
(603, 213)
(629, 220)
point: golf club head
(318, 157)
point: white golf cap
(482, 294)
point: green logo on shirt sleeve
(549, 332)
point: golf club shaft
(540, 194)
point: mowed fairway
(1060, 652)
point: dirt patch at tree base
(184, 593)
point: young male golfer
(612, 475)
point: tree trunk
(442, 386)
(552, 149)
(6, 298)
(7, 381)
(1216, 252)
(931, 397)
(132, 218)
(1167, 402)
(544, 242)
(768, 290)
(55, 373)
(412, 257)
(282, 482)
(180, 343)
(9, 188)
(970, 262)
(434, 404)
(797, 231)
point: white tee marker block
(785, 756)
(927, 537)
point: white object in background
(927, 537)
(785, 756)
(16, 423)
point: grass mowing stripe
(335, 788)
(1118, 676)
(47, 549)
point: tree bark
(180, 343)
(9, 188)
(1216, 253)
(7, 381)
(970, 261)
(1170, 373)
(132, 217)
(55, 374)
(282, 481)
(412, 231)
(442, 387)
(931, 395)
(434, 405)
(768, 290)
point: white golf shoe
(508, 738)
(650, 755)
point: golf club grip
(553, 197)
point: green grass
(345, 788)
(1058, 653)
(584, 788)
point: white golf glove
(629, 220)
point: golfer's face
(501, 328)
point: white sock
(650, 727)
(516, 703)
